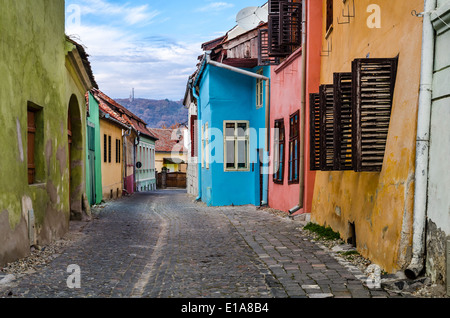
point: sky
(149, 45)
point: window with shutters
(327, 127)
(105, 148)
(373, 94)
(284, 32)
(350, 119)
(109, 148)
(343, 114)
(118, 143)
(279, 150)
(236, 146)
(259, 90)
(294, 147)
(31, 145)
(315, 124)
(35, 139)
(193, 128)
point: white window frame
(203, 146)
(236, 139)
(207, 154)
(259, 90)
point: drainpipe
(267, 108)
(125, 135)
(301, 176)
(199, 175)
(422, 144)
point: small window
(109, 148)
(207, 154)
(259, 90)
(330, 17)
(105, 148)
(279, 150)
(31, 146)
(35, 137)
(294, 147)
(193, 128)
(236, 146)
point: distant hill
(157, 113)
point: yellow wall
(112, 173)
(380, 204)
(159, 161)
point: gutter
(301, 176)
(422, 144)
(199, 175)
(267, 108)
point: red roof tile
(167, 140)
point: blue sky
(149, 45)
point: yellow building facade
(112, 159)
(374, 209)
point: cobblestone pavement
(164, 245)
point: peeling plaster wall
(379, 204)
(32, 64)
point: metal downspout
(422, 144)
(301, 176)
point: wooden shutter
(284, 33)
(31, 146)
(315, 123)
(327, 127)
(373, 90)
(264, 57)
(290, 34)
(343, 121)
(193, 136)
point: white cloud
(131, 15)
(215, 6)
(156, 67)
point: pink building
(289, 113)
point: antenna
(132, 95)
(250, 17)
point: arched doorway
(75, 158)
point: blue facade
(226, 97)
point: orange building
(364, 134)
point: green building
(93, 153)
(43, 126)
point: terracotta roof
(167, 140)
(85, 58)
(120, 113)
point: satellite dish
(250, 17)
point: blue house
(232, 101)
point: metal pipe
(422, 143)
(301, 176)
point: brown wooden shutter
(373, 90)
(315, 123)
(193, 136)
(31, 146)
(284, 32)
(290, 34)
(264, 57)
(343, 121)
(327, 127)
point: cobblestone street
(164, 245)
